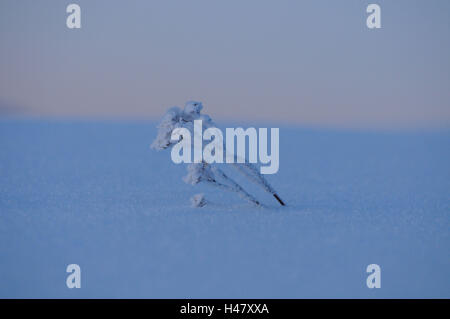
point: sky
(311, 63)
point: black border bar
(230, 308)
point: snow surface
(95, 194)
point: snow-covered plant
(204, 172)
(169, 122)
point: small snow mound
(198, 200)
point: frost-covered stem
(235, 187)
(243, 194)
(251, 172)
(203, 172)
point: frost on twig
(198, 172)
(251, 172)
(203, 172)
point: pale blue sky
(311, 63)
